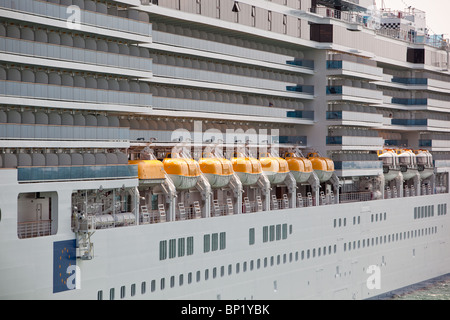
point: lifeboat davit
(183, 172)
(247, 169)
(324, 167)
(274, 168)
(218, 171)
(407, 162)
(424, 163)
(149, 171)
(390, 163)
(300, 167)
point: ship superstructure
(221, 149)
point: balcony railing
(301, 63)
(62, 173)
(59, 12)
(358, 165)
(334, 89)
(61, 52)
(411, 81)
(301, 114)
(410, 122)
(297, 140)
(68, 93)
(302, 89)
(32, 229)
(410, 102)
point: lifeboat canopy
(424, 163)
(183, 171)
(248, 169)
(217, 170)
(324, 167)
(150, 170)
(300, 166)
(274, 168)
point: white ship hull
(322, 252)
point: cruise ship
(221, 150)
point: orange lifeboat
(300, 167)
(149, 169)
(324, 167)
(274, 168)
(183, 172)
(218, 171)
(247, 169)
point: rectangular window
(272, 233)
(278, 232)
(269, 20)
(253, 16)
(37, 214)
(190, 246)
(299, 28)
(415, 56)
(321, 32)
(153, 285)
(265, 234)
(133, 290)
(172, 248)
(223, 240)
(218, 9)
(143, 287)
(122, 292)
(181, 246)
(284, 231)
(206, 243)
(163, 250)
(180, 279)
(215, 242)
(251, 236)
(284, 24)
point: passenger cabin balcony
(34, 91)
(86, 56)
(358, 168)
(70, 173)
(435, 145)
(230, 109)
(52, 166)
(357, 164)
(40, 125)
(354, 92)
(235, 50)
(247, 81)
(358, 68)
(354, 142)
(94, 16)
(419, 83)
(355, 115)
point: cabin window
(251, 236)
(37, 214)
